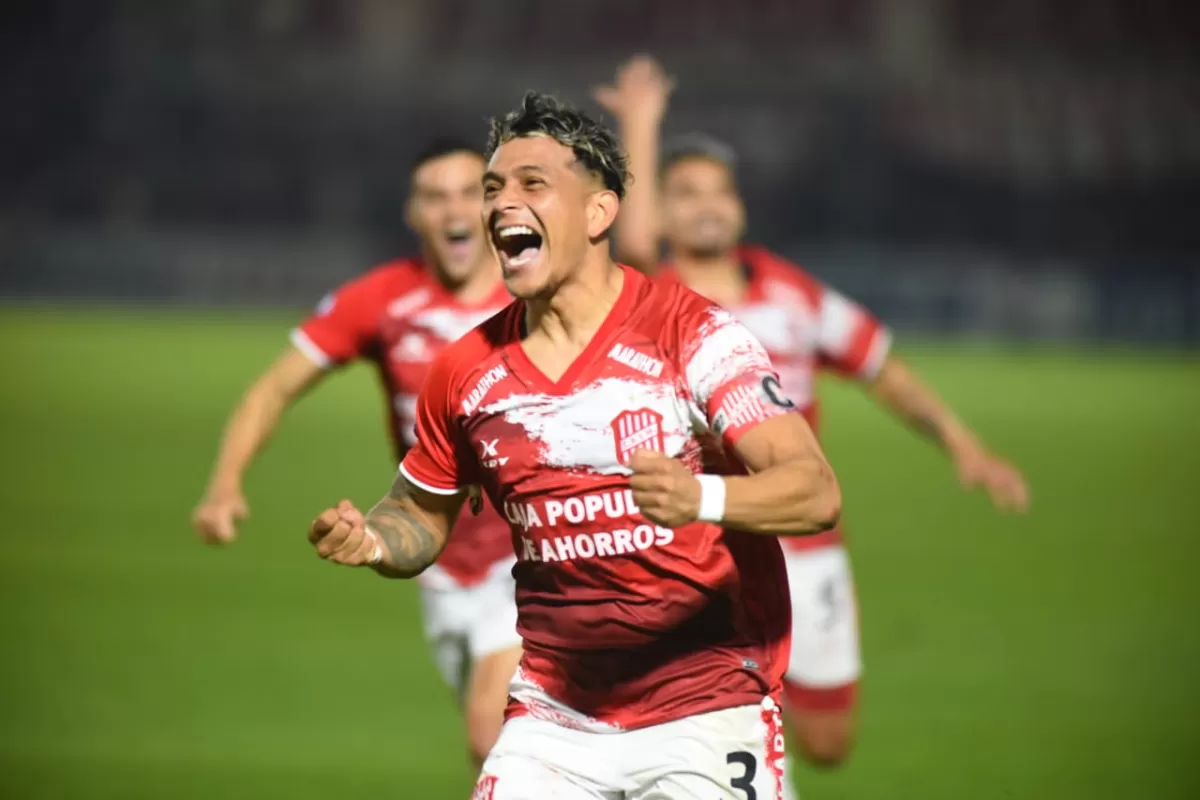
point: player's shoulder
(478, 349)
(774, 274)
(386, 281)
(671, 312)
(397, 276)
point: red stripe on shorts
(776, 748)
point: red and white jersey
(626, 624)
(806, 327)
(399, 317)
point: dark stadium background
(1013, 185)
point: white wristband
(712, 498)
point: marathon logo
(489, 379)
(635, 360)
(637, 430)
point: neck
(577, 307)
(478, 284)
(718, 277)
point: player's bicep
(779, 440)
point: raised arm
(249, 428)
(638, 101)
(399, 538)
(342, 328)
(898, 388)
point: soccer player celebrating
(805, 326)
(400, 316)
(652, 596)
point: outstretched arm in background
(638, 101)
(249, 428)
(901, 391)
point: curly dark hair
(595, 146)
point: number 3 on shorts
(745, 782)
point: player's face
(444, 212)
(536, 209)
(702, 212)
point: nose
(506, 198)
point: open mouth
(459, 238)
(518, 244)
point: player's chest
(522, 433)
(410, 342)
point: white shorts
(733, 754)
(825, 642)
(464, 625)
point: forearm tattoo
(411, 544)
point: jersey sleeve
(850, 339)
(345, 323)
(439, 462)
(730, 377)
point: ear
(601, 212)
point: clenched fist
(665, 490)
(341, 535)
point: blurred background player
(400, 316)
(653, 601)
(807, 327)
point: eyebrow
(490, 175)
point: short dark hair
(595, 146)
(696, 145)
(442, 146)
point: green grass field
(1054, 656)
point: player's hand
(218, 514)
(641, 90)
(666, 491)
(1002, 481)
(340, 535)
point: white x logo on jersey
(488, 455)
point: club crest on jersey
(637, 430)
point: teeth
(514, 230)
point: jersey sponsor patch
(480, 390)
(641, 429)
(636, 360)
(572, 512)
